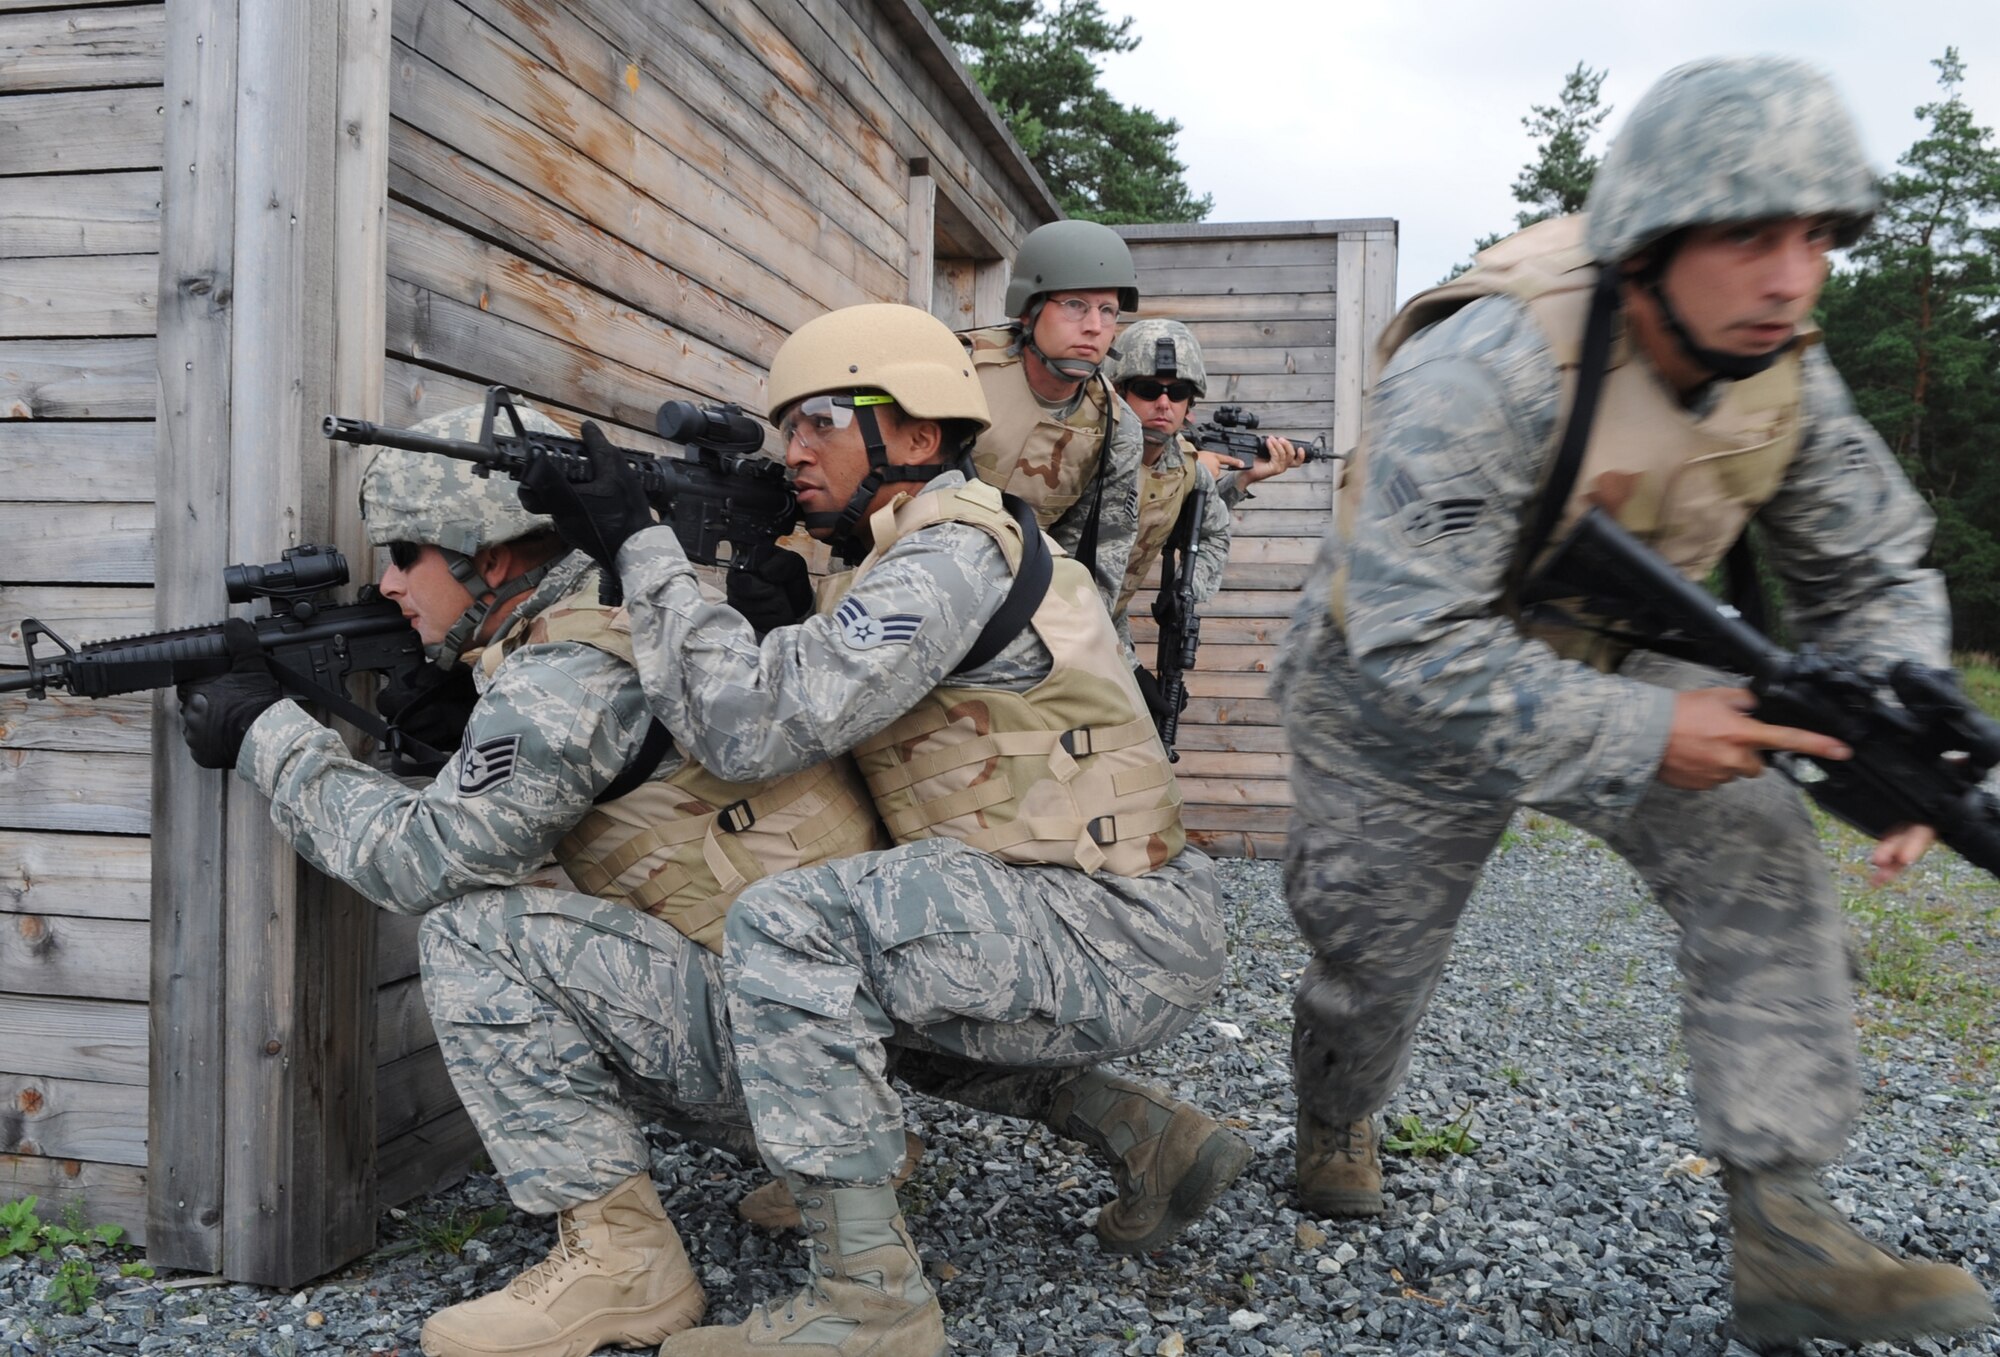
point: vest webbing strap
(1069, 745)
(652, 751)
(1086, 542)
(1024, 596)
(1561, 480)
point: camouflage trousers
(932, 945)
(567, 1021)
(1377, 873)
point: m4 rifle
(1229, 432)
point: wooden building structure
(219, 221)
(1287, 314)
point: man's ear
(926, 440)
(496, 564)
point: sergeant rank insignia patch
(864, 631)
(487, 764)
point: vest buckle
(736, 817)
(1103, 831)
(1076, 743)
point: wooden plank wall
(1285, 314)
(609, 203)
(80, 154)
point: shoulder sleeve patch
(488, 764)
(861, 630)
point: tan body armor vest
(1163, 489)
(1027, 451)
(683, 847)
(1686, 484)
(1069, 773)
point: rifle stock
(1921, 748)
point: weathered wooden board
(73, 1039)
(121, 725)
(84, 460)
(402, 1025)
(77, 379)
(106, 1194)
(81, 958)
(1244, 306)
(1165, 289)
(81, 543)
(78, 615)
(82, 48)
(427, 1159)
(1229, 791)
(410, 1092)
(72, 1119)
(1245, 359)
(80, 130)
(98, 875)
(395, 947)
(411, 392)
(90, 295)
(447, 262)
(97, 793)
(71, 214)
(1258, 389)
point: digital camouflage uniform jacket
(1433, 685)
(554, 725)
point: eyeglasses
(405, 555)
(1076, 308)
(1150, 389)
(816, 418)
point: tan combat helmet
(861, 357)
(1721, 141)
(1158, 348)
(438, 501)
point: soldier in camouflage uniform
(1041, 908)
(1160, 374)
(563, 1017)
(1422, 714)
(1059, 437)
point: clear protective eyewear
(817, 418)
(1077, 308)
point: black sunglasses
(404, 555)
(1147, 389)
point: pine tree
(1557, 181)
(1103, 160)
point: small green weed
(73, 1287)
(24, 1232)
(1410, 1136)
(455, 1231)
(143, 1271)
(1513, 1074)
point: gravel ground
(1582, 1222)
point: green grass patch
(1981, 673)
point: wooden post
(922, 233)
(263, 997)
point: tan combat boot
(1803, 1271)
(1170, 1161)
(617, 1274)
(867, 1296)
(771, 1207)
(1340, 1169)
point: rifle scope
(1234, 417)
(304, 571)
(722, 428)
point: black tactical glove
(216, 713)
(428, 704)
(593, 516)
(775, 592)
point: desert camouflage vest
(1163, 489)
(1027, 451)
(683, 847)
(1685, 484)
(1070, 773)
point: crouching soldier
(564, 1018)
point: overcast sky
(1411, 108)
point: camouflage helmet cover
(907, 354)
(1072, 256)
(1138, 354)
(422, 497)
(1729, 140)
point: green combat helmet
(1072, 256)
(1720, 141)
(439, 501)
(1159, 348)
(1728, 140)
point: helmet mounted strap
(1733, 367)
(1069, 369)
(485, 599)
(881, 471)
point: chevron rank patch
(862, 630)
(488, 764)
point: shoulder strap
(1561, 479)
(1031, 585)
(652, 751)
(1086, 543)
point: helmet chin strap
(485, 599)
(1733, 367)
(1069, 369)
(840, 527)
